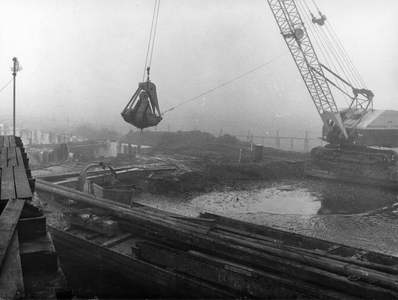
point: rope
(6, 85)
(151, 41)
(232, 80)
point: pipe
(163, 225)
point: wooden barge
(29, 266)
(217, 257)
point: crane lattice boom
(294, 32)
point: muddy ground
(202, 164)
(220, 175)
(206, 164)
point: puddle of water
(275, 200)
(351, 215)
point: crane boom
(295, 35)
(352, 132)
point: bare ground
(204, 164)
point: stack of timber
(217, 257)
(29, 266)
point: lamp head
(16, 67)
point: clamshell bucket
(142, 110)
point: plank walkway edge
(26, 247)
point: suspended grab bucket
(142, 110)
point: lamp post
(15, 68)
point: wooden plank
(246, 234)
(7, 184)
(156, 277)
(238, 277)
(32, 183)
(8, 222)
(201, 221)
(31, 227)
(1, 141)
(12, 141)
(3, 157)
(6, 141)
(12, 157)
(18, 141)
(22, 186)
(39, 254)
(305, 242)
(117, 240)
(11, 278)
(265, 260)
(20, 159)
(28, 173)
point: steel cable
(6, 85)
(225, 83)
(152, 33)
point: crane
(354, 134)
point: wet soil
(208, 165)
(221, 175)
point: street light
(15, 68)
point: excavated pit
(218, 175)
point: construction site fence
(289, 143)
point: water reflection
(360, 216)
(284, 199)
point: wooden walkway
(29, 265)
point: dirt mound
(225, 148)
(179, 139)
(216, 162)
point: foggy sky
(83, 59)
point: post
(277, 140)
(306, 142)
(14, 73)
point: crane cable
(348, 59)
(225, 83)
(315, 5)
(6, 85)
(337, 51)
(151, 42)
(331, 58)
(319, 42)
